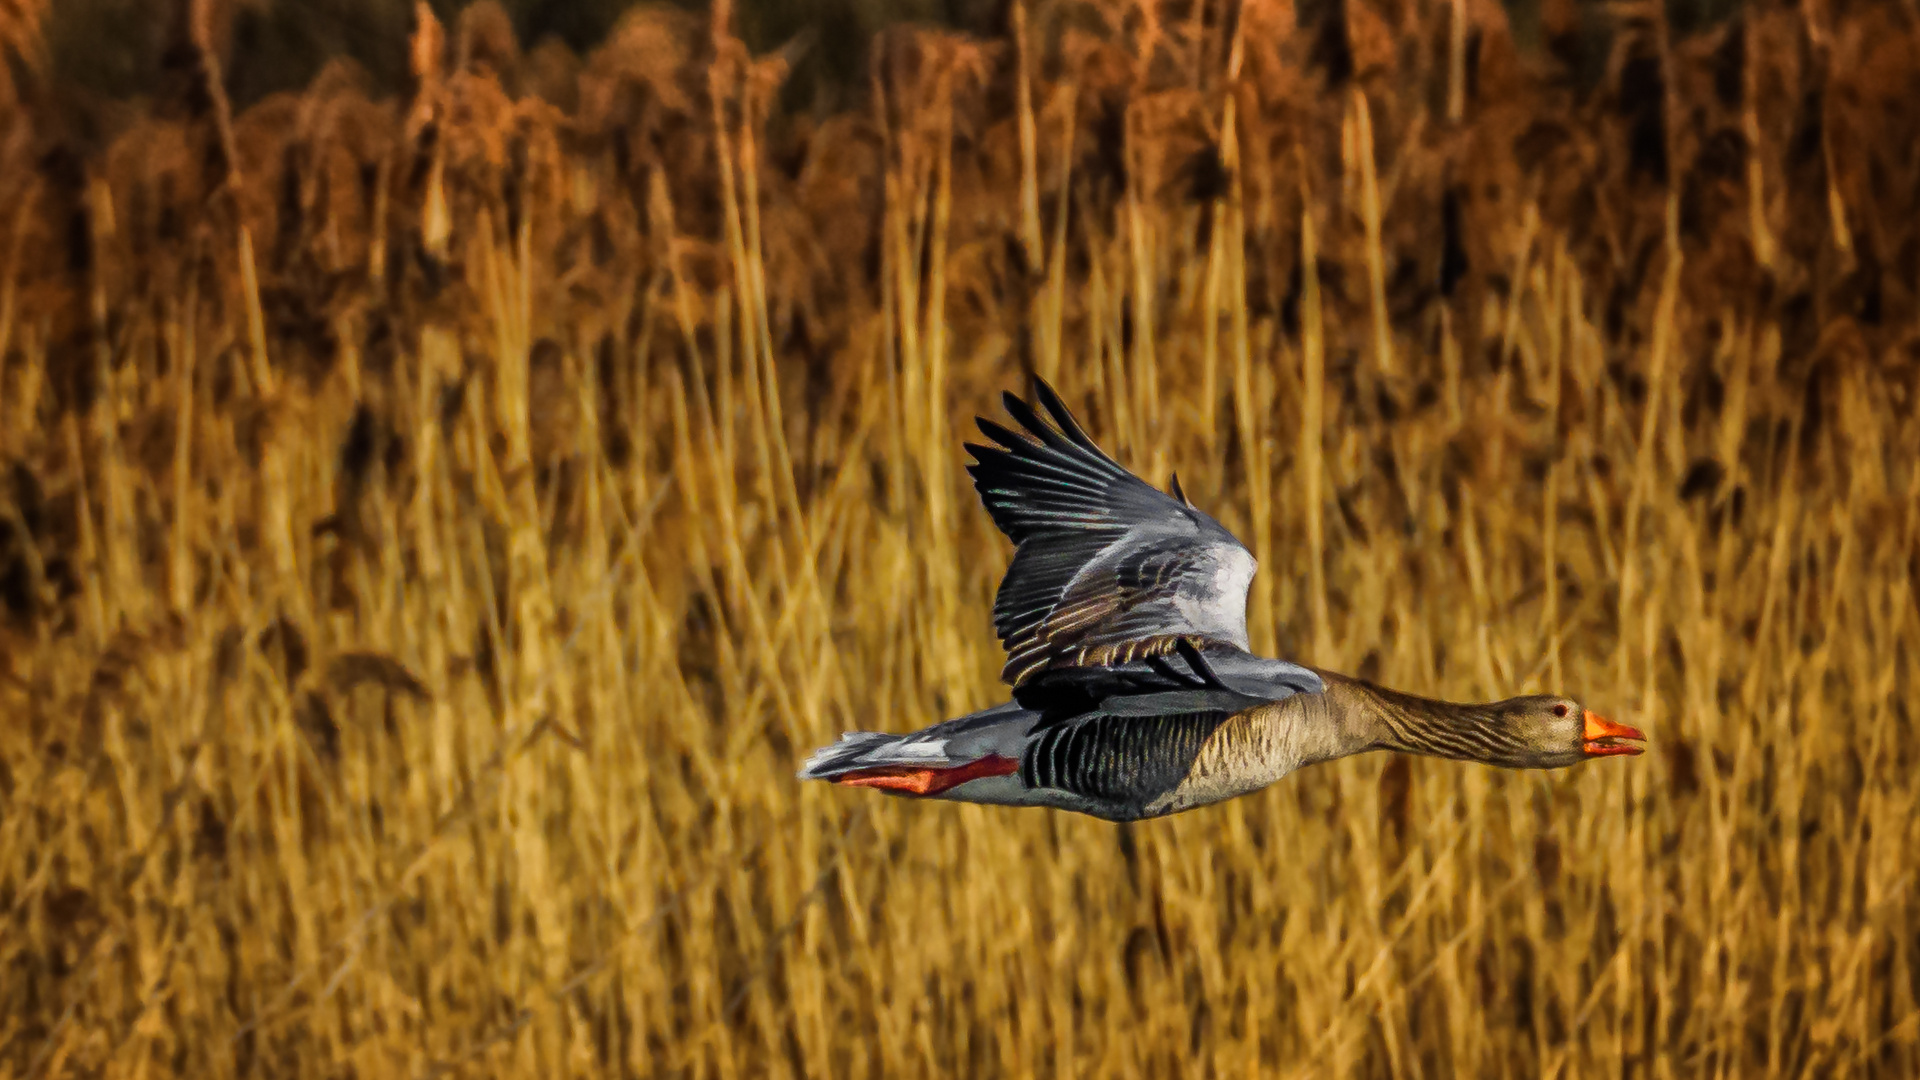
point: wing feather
(1106, 569)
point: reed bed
(433, 530)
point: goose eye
(1560, 710)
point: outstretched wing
(1106, 569)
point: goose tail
(930, 761)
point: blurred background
(122, 48)
(456, 460)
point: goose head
(1555, 732)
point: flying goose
(1124, 616)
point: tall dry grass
(433, 531)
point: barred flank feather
(1129, 760)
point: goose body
(1134, 693)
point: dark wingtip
(1001, 435)
(1173, 486)
(1041, 431)
(1057, 408)
(988, 463)
(1011, 401)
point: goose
(1135, 693)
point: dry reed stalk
(1370, 211)
(1261, 620)
(1659, 359)
(1140, 374)
(1456, 61)
(1312, 380)
(1029, 139)
(1051, 304)
(632, 610)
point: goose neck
(1374, 718)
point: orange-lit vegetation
(424, 561)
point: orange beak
(1602, 735)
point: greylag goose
(1135, 695)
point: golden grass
(426, 560)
